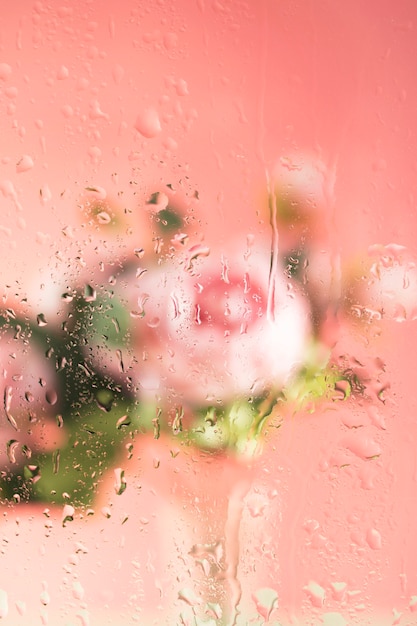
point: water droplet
(20, 607)
(67, 231)
(44, 596)
(179, 239)
(7, 231)
(61, 362)
(148, 123)
(51, 396)
(177, 421)
(154, 322)
(8, 394)
(90, 294)
(11, 92)
(95, 154)
(181, 87)
(8, 190)
(120, 360)
(84, 617)
(377, 417)
(26, 451)
(67, 514)
(189, 596)
(140, 272)
(333, 619)
(62, 73)
(55, 461)
(78, 590)
(106, 512)
(316, 593)
(123, 421)
(45, 194)
(257, 505)
(118, 74)
(42, 238)
(170, 144)
(194, 252)
(40, 320)
(170, 40)
(197, 312)
(266, 600)
(362, 444)
(120, 481)
(11, 447)
(4, 603)
(5, 71)
(98, 193)
(338, 590)
(86, 369)
(373, 538)
(343, 388)
(32, 473)
(24, 164)
(103, 218)
(95, 111)
(67, 111)
(367, 475)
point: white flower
(387, 286)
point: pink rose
(213, 327)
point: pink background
(237, 86)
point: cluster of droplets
(175, 335)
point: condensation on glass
(208, 313)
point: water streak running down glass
(208, 313)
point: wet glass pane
(208, 313)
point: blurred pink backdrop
(225, 90)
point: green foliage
(93, 443)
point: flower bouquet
(175, 361)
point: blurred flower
(384, 285)
(300, 194)
(300, 205)
(29, 394)
(199, 328)
(218, 328)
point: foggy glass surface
(208, 313)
